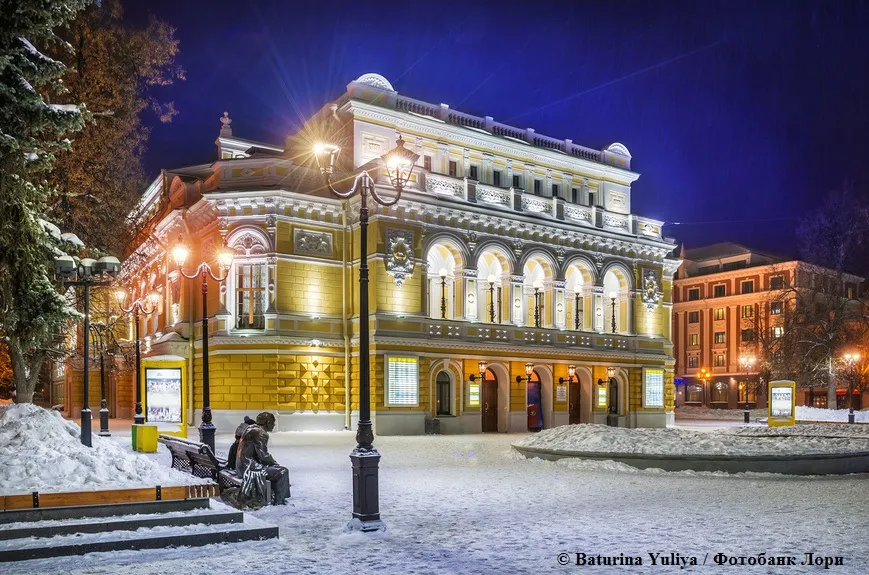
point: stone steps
(69, 531)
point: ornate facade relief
(311, 243)
(399, 255)
(651, 289)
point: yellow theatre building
(507, 246)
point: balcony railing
(525, 336)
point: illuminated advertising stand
(782, 403)
(164, 392)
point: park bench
(198, 460)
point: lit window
(653, 395)
(694, 339)
(719, 313)
(719, 360)
(719, 337)
(250, 295)
(752, 393)
(747, 311)
(402, 382)
(777, 332)
(693, 361)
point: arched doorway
(489, 402)
(443, 394)
(535, 402)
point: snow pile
(805, 413)
(808, 429)
(40, 451)
(673, 441)
(692, 412)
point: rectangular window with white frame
(402, 381)
(250, 295)
(653, 387)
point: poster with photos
(163, 394)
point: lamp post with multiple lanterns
(491, 279)
(538, 285)
(576, 309)
(365, 458)
(207, 429)
(86, 272)
(613, 297)
(747, 363)
(851, 360)
(443, 274)
(137, 307)
(704, 375)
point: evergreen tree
(32, 131)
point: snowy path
(466, 504)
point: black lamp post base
(366, 493)
(139, 418)
(747, 415)
(851, 417)
(104, 422)
(206, 434)
(86, 427)
(612, 420)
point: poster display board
(782, 403)
(164, 395)
(561, 393)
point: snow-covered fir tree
(32, 132)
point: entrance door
(489, 407)
(574, 411)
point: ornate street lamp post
(747, 362)
(365, 458)
(851, 359)
(613, 297)
(571, 371)
(443, 274)
(137, 307)
(100, 330)
(86, 272)
(704, 375)
(207, 429)
(538, 285)
(492, 279)
(576, 310)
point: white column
(517, 301)
(560, 307)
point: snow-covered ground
(471, 505)
(40, 451)
(675, 441)
(804, 413)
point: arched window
(248, 279)
(616, 302)
(444, 267)
(443, 394)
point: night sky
(740, 116)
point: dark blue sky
(733, 111)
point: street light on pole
(365, 459)
(224, 259)
(704, 375)
(571, 371)
(491, 279)
(100, 330)
(613, 297)
(747, 363)
(86, 272)
(138, 306)
(851, 360)
(443, 274)
(538, 285)
(576, 309)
